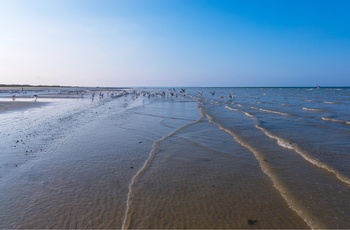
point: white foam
(329, 102)
(245, 113)
(312, 110)
(230, 108)
(288, 145)
(336, 120)
(272, 111)
(291, 201)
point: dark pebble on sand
(252, 222)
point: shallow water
(266, 158)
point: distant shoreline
(130, 87)
(59, 86)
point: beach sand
(9, 106)
(123, 163)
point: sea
(189, 158)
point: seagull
(200, 94)
(231, 96)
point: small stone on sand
(252, 222)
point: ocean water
(234, 158)
(299, 136)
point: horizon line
(82, 86)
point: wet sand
(153, 166)
(9, 106)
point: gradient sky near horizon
(175, 42)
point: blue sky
(175, 43)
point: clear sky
(175, 42)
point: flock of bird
(170, 93)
